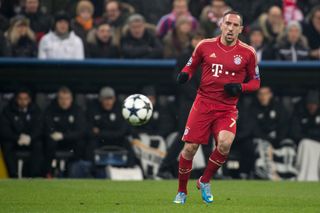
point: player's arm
(253, 83)
(253, 74)
(191, 66)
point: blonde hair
(85, 4)
(12, 34)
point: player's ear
(241, 28)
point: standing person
(226, 63)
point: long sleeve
(78, 132)
(253, 75)
(194, 61)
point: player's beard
(229, 38)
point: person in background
(64, 128)
(178, 38)
(271, 127)
(40, 22)
(100, 43)
(293, 46)
(211, 17)
(161, 122)
(116, 15)
(21, 128)
(21, 39)
(311, 30)
(265, 51)
(106, 126)
(272, 24)
(167, 22)
(61, 43)
(139, 42)
(305, 131)
(83, 22)
(5, 47)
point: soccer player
(229, 68)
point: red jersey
(222, 65)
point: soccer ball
(137, 109)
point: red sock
(185, 167)
(216, 160)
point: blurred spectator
(167, 22)
(291, 11)
(271, 127)
(21, 38)
(264, 50)
(64, 128)
(196, 6)
(152, 12)
(40, 22)
(178, 38)
(61, 43)
(10, 8)
(4, 23)
(312, 32)
(293, 46)
(116, 15)
(83, 22)
(5, 47)
(161, 123)
(272, 24)
(185, 97)
(307, 5)
(106, 126)
(21, 127)
(305, 130)
(139, 42)
(100, 43)
(211, 17)
(251, 9)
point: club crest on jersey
(189, 62)
(237, 59)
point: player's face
(264, 96)
(65, 100)
(231, 28)
(107, 103)
(294, 34)
(23, 100)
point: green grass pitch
(155, 196)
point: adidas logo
(213, 55)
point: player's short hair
(233, 12)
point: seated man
(21, 131)
(64, 127)
(106, 126)
(139, 42)
(270, 130)
(306, 131)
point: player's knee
(190, 150)
(224, 147)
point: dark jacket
(146, 47)
(15, 122)
(78, 30)
(71, 123)
(312, 35)
(305, 125)
(5, 47)
(40, 23)
(297, 52)
(112, 127)
(161, 122)
(271, 122)
(24, 47)
(98, 49)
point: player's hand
(183, 77)
(233, 89)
